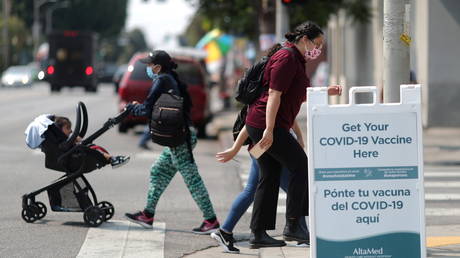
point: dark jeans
(246, 197)
(284, 152)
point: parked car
(118, 75)
(106, 72)
(135, 84)
(21, 75)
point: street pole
(36, 24)
(282, 20)
(49, 15)
(395, 49)
(35, 27)
(5, 33)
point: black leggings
(284, 152)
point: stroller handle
(111, 122)
(70, 141)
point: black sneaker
(303, 243)
(119, 161)
(226, 241)
(140, 218)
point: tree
(17, 40)
(250, 18)
(133, 41)
(106, 17)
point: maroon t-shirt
(285, 72)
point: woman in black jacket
(160, 68)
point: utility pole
(396, 42)
(5, 33)
(282, 20)
(36, 24)
(49, 15)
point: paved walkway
(441, 151)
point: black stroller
(72, 192)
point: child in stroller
(71, 192)
(65, 125)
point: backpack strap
(187, 128)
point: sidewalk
(441, 149)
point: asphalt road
(62, 234)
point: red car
(135, 85)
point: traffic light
(292, 2)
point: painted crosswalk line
(442, 197)
(445, 184)
(124, 239)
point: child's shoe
(119, 161)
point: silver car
(18, 76)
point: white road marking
(442, 197)
(435, 212)
(431, 173)
(124, 239)
(446, 184)
(442, 174)
(147, 155)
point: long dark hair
(309, 29)
(169, 66)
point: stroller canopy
(36, 129)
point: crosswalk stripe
(443, 184)
(429, 212)
(442, 197)
(430, 173)
(442, 174)
(434, 212)
(124, 239)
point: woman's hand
(267, 139)
(226, 155)
(135, 103)
(334, 90)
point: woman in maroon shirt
(268, 122)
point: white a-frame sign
(366, 176)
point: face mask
(150, 73)
(313, 54)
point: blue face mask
(150, 73)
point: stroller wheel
(28, 214)
(41, 211)
(33, 212)
(94, 216)
(108, 209)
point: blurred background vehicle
(18, 76)
(72, 60)
(118, 75)
(135, 84)
(106, 72)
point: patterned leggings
(163, 170)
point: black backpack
(249, 87)
(167, 124)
